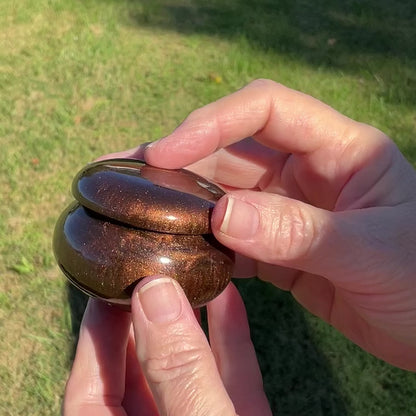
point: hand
(164, 362)
(334, 221)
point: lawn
(80, 79)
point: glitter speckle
(132, 221)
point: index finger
(276, 116)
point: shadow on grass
(77, 303)
(408, 147)
(297, 378)
(353, 35)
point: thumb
(278, 230)
(174, 353)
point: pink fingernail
(241, 219)
(160, 300)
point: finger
(278, 117)
(230, 341)
(138, 399)
(244, 266)
(269, 228)
(133, 153)
(245, 164)
(96, 383)
(174, 352)
(326, 148)
(286, 232)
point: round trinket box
(132, 220)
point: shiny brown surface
(173, 201)
(105, 257)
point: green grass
(80, 79)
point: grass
(80, 79)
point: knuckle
(263, 83)
(177, 360)
(292, 234)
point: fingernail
(241, 219)
(160, 300)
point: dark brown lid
(146, 197)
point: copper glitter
(131, 220)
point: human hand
(176, 372)
(334, 221)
